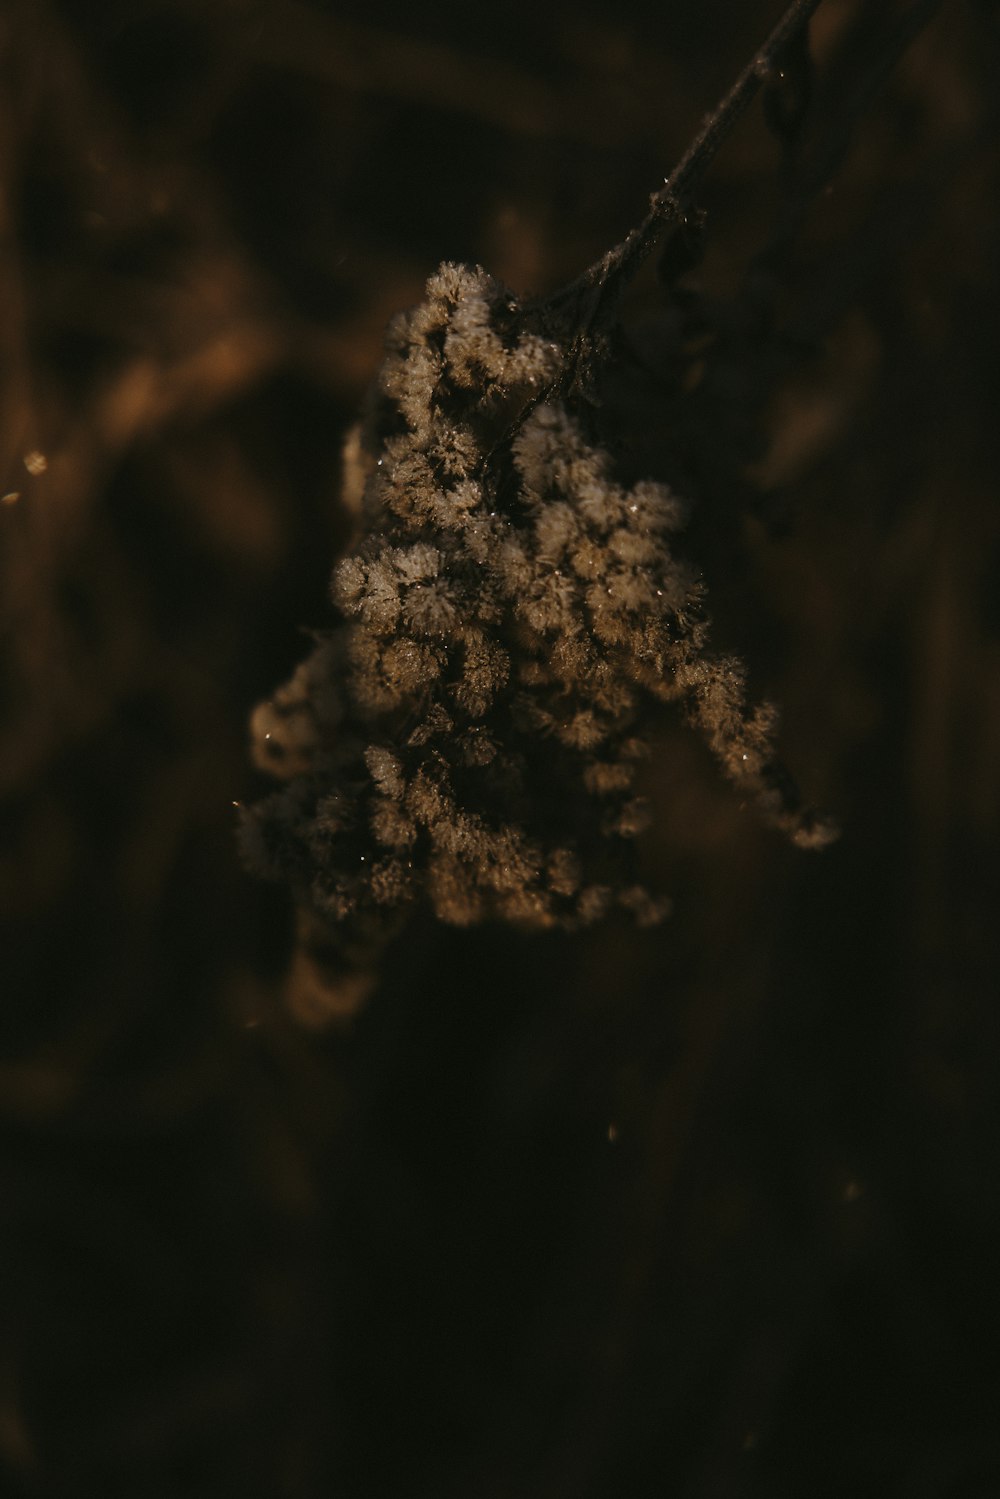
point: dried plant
(468, 734)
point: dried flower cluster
(469, 733)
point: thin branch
(602, 284)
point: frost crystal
(468, 734)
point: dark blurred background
(712, 1211)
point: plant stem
(601, 285)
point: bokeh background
(712, 1211)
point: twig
(601, 285)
